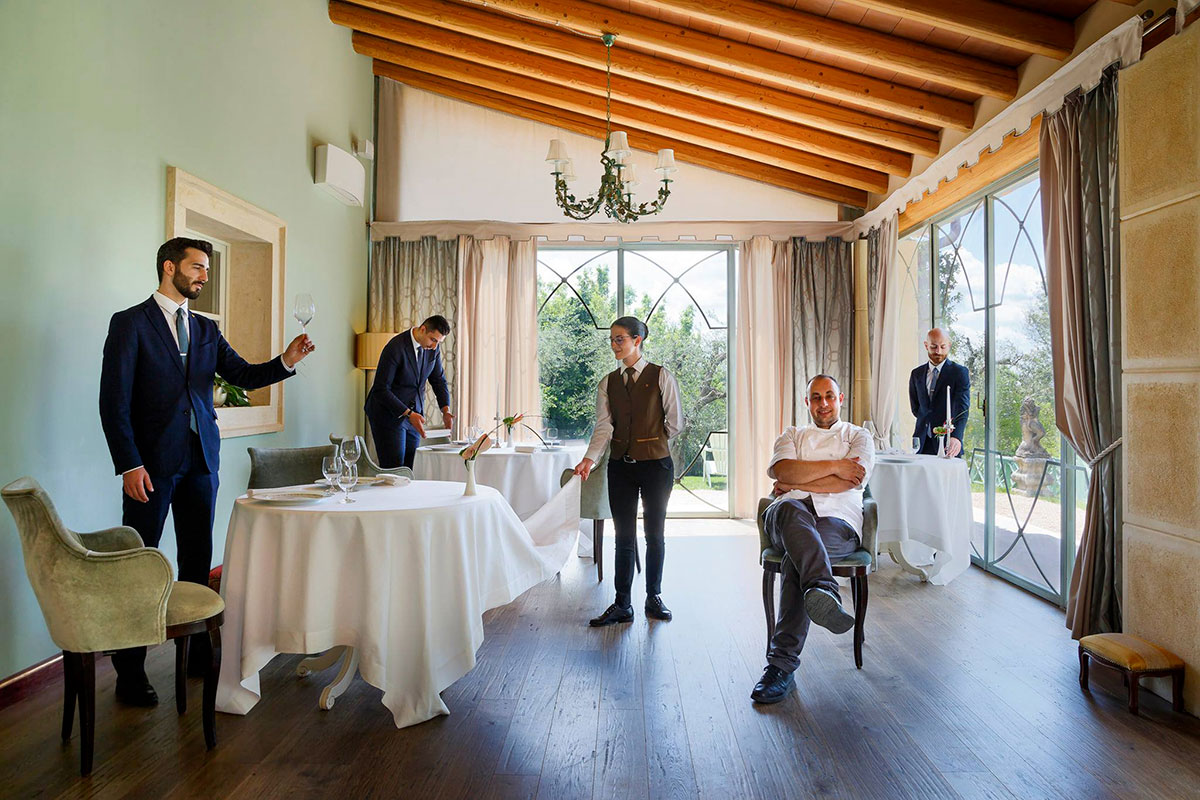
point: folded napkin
(274, 490)
(394, 480)
(526, 448)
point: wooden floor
(968, 690)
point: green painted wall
(96, 100)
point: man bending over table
(819, 471)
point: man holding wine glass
(396, 403)
(156, 408)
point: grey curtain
(1080, 224)
(822, 316)
(410, 281)
(874, 270)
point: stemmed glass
(552, 435)
(304, 310)
(346, 478)
(351, 450)
(330, 466)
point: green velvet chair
(367, 468)
(271, 467)
(855, 566)
(593, 505)
(105, 591)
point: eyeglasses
(618, 340)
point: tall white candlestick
(949, 413)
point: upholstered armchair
(271, 467)
(367, 468)
(106, 591)
(855, 566)
(593, 505)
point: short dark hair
(829, 378)
(437, 323)
(633, 325)
(175, 249)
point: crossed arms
(819, 477)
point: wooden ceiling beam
(623, 114)
(1011, 26)
(636, 93)
(507, 30)
(681, 43)
(578, 123)
(845, 40)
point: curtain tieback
(1105, 452)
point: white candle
(949, 413)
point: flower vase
(508, 437)
(941, 453)
(470, 490)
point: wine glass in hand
(304, 310)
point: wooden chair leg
(598, 548)
(70, 692)
(182, 646)
(858, 588)
(87, 710)
(209, 704)
(1177, 690)
(769, 605)
(1135, 682)
(1083, 669)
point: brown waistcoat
(637, 414)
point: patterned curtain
(409, 282)
(823, 317)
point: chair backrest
(286, 466)
(870, 528)
(719, 443)
(593, 493)
(90, 601)
(367, 467)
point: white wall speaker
(340, 174)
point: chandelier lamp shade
(615, 195)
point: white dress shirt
(170, 308)
(929, 374)
(841, 440)
(672, 414)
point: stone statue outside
(1031, 457)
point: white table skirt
(404, 575)
(527, 480)
(924, 504)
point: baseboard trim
(17, 687)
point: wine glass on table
(346, 478)
(330, 466)
(304, 309)
(552, 436)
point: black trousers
(652, 481)
(191, 497)
(395, 445)
(810, 543)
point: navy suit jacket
(147, 397)
(400, 382)
(930, 411)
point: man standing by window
(927, 386)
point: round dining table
(925, 513)
(399, 579)
(526, 478)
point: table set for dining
(400, 578)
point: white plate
(893, 459)
(290, 498)
(445, 448)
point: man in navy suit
(156, 409)
(396, 403)
(927, 396)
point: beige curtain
(387, 154)
(823, 317)
(763, 386)
(497, 333)
(410, 281)
(1080, 229)
(883, 311)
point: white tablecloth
(527, 480)
(404, 575)
(924, 503)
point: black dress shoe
(824, 608)
(655, 608)
(613, 615)
(774, 686)
(137, 693)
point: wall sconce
(368, 347)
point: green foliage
(574, 354)
(234, 395)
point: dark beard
(184, 287)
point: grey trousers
(810, 544)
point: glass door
(682, 293)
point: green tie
(181, 328)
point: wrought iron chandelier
(616, 185)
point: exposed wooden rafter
(624, 114)
(506, 30)
(863, 45)
(1011, 26)
(684, 150)
(745, 60)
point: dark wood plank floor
(968, 690)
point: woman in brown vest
(637, 409)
